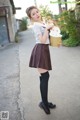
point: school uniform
(40, 56)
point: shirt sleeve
(37, 30)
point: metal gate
(4, 39)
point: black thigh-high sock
(44, 87)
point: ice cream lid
(55, 34)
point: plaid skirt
(40, 57)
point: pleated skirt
(40, 57)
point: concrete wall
(11, 25)
(4, 2)
(10, 20)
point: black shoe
(44, 107)
(51, 105)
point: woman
(40, 57)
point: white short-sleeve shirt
(39, 29)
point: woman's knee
(40, 70)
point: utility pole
(35, 3)
(59, 4)
(62, 3)
(65, 4)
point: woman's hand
(49, 27)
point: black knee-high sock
(44, 87)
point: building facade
(7, 22)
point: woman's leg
(44, 84)
(40, 70)
(44, 89)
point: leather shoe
(51, 105)
(44, 107)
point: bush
(16, 37)
(65, 35)
(68, 25)
(23, 24)
(70, 43)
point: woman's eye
(33, 14)
(37, 11)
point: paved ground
(19, 84)
(9, 81)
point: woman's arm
(44, 37)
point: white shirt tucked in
(39, 29)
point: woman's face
(35, 15)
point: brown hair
(29, 9)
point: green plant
(70, 42)
(45, 12)
(23, 24)
(65, 35)
(16, 37)
(68, 23)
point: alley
(64, 82)
(19, 84)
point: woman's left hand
(49, 27)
